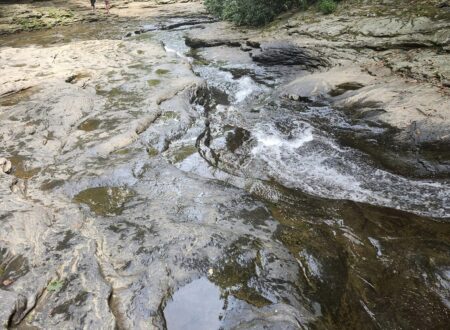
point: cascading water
(289, 148)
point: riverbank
(31, 15)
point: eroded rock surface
(138, 172)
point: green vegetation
(44, 18)
(152, 152)
(260, 12)
(153, 82)
(89, 125)
(327, 6)
(21, 167)
(167, 115)
(105, 201)
(182, 153)
(162, 72)
(250, 12)
(55, 286)
(58, 14)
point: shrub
(327, 6)
(260, 12)
(250, 12)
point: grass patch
(162, 72)
(152, 152)
(153, 82)
(105, 201)
(55, 286)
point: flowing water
(320, 234)
(365, 238)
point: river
(234, 206)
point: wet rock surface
(410, 143)
(287, 54)
(147, 178)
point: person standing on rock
(107, 6)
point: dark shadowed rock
(285, 53)
(253, 44)
(202, 43)
(189, 22)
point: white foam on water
(177, 53)
(442, 286)
(239, 90)
(311, 162)
(306, 171)
(269, 137)
(246, 86)
(376, 244)
(301, 158)
(314, 266)
(195, 164)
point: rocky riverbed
(161, 169)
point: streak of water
(292, 148)
(311, 180)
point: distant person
(106, 5)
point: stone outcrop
(284, 53)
